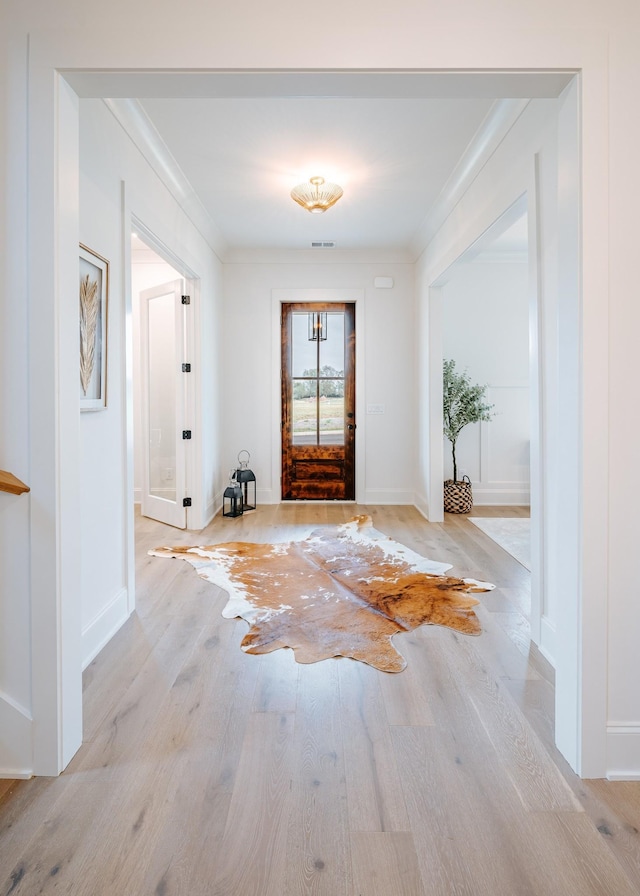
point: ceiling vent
(323, 244)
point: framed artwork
(94, 300)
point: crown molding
(498, 122)
(139, 127)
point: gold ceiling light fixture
(316, 196)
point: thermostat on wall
(383, 282)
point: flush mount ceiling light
(316, 196)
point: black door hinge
(186, 368)
(186, 502)
(186, 300)
(186, 433)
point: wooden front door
(318, 401)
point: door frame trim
(332, 294)
(342, 451)
(195, 515)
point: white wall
(485, 307)
(385, 354)
(102, 531)
(107, 161)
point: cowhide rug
(343, 591)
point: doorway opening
(519, 439)
(162, 400)
(582, 715)
(489, 313)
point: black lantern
(247, 480)
(317, 326)
(232, 503)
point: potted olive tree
(462, 403)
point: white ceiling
(403, 145)
(392, 158)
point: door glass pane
(304, 352)
(317, 379)
(304, 429)
(332, 348)
(162, 398)
(331, 415)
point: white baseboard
(388, 496)
(547, 645)
(421, 505)
(263, 496)
(16, 751)
(371, 496)
(491, 496)
(101, 629)
(623, 752)
(212, 507)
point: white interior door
(162, 336)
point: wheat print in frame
(94, 297)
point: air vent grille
(323, 244)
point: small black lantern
(247, 480)
(232, 503)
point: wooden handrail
(10, 483)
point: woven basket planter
(458, 497)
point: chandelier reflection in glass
(316, 196)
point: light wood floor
(209, 772)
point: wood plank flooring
(208, 772)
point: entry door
(318, 401)
(163, 403)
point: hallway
(209, 772)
